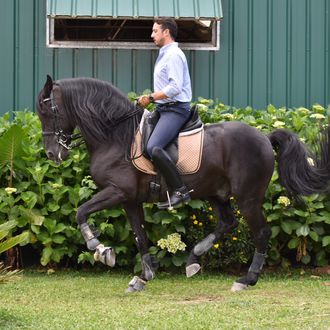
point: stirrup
(177, 199)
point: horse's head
(56, 128)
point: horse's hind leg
(227, 222)
(149, 263)
(251, 210)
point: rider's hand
(143, 100)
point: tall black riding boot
(180, 193)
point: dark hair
(168, 23)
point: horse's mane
(98, 107)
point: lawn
(97, 300)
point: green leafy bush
(302, 230)
(42, 198)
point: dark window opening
(128, 30)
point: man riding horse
(172, 94)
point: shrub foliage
(40, 199)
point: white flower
(202, 107)
(172, 243)
(318, 108)
(279, 124)
(10, 190)
(56, 185)
(228, 116)
(303, 110)
(317, 116)
(283, 200)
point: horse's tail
(300, 171)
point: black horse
(237, 161)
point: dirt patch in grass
(200, 300)
(322, 270)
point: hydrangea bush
(42, 199)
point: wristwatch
(151, 98)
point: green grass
(85, 300)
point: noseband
(62, 138)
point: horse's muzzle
(57, 156)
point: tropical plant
(8, 242)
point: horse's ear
(48, 86)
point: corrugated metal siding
(271, 52)
(135, 8)
(278, 52)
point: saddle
(185, 151)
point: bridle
(62, 138)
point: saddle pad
(189, 154)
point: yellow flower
(216, 246)
(195, 222)
(211, 217)
(10, 190)
(210, 209)
(234, 238)
(200, 224)
(193, 217)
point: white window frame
(52, 43)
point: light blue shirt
(171, 74)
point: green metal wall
(272, 51)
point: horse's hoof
(130, 289)
(192, 269)
(136, 284)
(106, 255)
(238, 287)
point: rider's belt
(170, 104)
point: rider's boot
(180, 193)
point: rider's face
(158, 35)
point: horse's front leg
(105, 199)
(149, 263)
